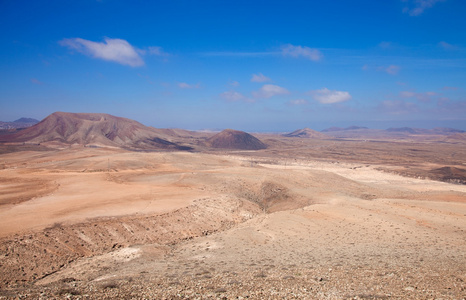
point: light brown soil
(98, 223)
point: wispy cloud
(417, 7)
(301, 51)
(259, 78)
(116, 50)
(297, 102)
(233, 96)
(155, 50)
(450, 88)
(453, 109)
(287, 50)
(397, 107)
(234, 83)
(421, 97)
(327, 96)
(447, 46)
(269, 90)
(184, 85)
(36, 81)
(385, 45)
(391, 69)
(241, 54)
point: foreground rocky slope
(106, 224)
(57, 246)
(346, 249)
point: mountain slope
(306, 133)
(92, 129)
(234, 139)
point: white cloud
(300, 51)
(391, 69)
(116, 50)
(417, 7)
(233, 96)
(155, 50)
(327, 96)
(407, 94)
(397, 107)
(447, 46)
(184, 85)
(421, 97)
(298, 102)
(234, 83)
(269, 90)
(259, 78)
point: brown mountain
(93, 129)
(234, 139)
(457, 137)
(306, 133)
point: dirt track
(201, 225)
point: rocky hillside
(93, 129)
(234, 139)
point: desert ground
(302, 219)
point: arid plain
(306, 218)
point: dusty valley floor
(335, 222)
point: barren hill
(20, 123)
(408, 130)
(306, 133)
(92, 129)
(457, 137)
(234, 139)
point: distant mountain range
(103, 130)
(306, 133)
(20, 123)
(341, 129)
(358, 132)
(94, 129)
(437, 130)
(402, 130)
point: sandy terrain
(100, 223)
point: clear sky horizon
(247, 65)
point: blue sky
(247, 65)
